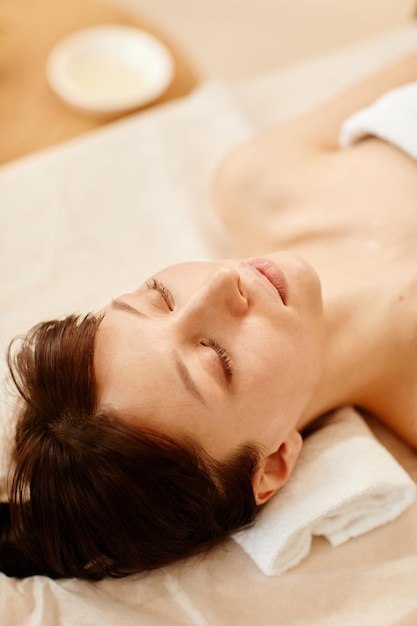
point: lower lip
(272, 272)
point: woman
(160, 424)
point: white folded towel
(393, 118)
(345, 484)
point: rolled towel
(393, 118)
(345, 484)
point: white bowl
(107, 70)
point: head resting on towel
(119, 465)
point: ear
(276, 468)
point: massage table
(93, 217)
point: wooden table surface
(31, 115)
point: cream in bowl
(107, 70)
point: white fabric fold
(393, 118)
(345, 484)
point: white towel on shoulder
(345, 484)
(393, 118)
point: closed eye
(225, 358)
(154, 283)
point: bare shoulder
(269, 186)
(275, 191)
(258, 184)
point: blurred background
(230, 40)
(233, 39)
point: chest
(368, 191)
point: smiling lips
(273, 273)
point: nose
(220, 294)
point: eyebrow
(119, 305)
(186, 378)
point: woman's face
(223, 352)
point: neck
(348, 362)
(366, 346)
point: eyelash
(154, 283)
(224, 357)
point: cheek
(288, 369)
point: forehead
(125, 360)
(136, 372)
(137, 380)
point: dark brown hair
(92, 497)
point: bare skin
(352, 215)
